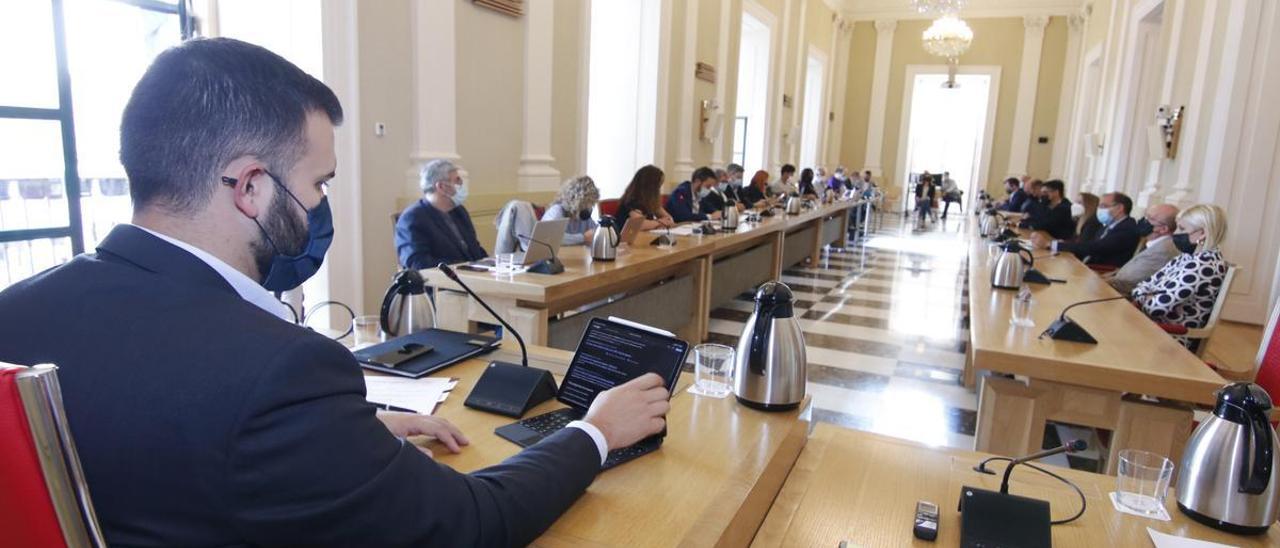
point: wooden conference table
(1095, 385)
(710, 484)
(671, 288)
(863, 487)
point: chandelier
(948, 36)
(938, 6)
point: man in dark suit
(685, 202)
(1054, 215)
(722, 193)
(1116, 244)
(201, 417)
(437, 228)
(1017, 196)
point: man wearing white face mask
(438, 228)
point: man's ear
(247, 178)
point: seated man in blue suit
(437, 229)
(1117, 243)
(201, 416)
(685, 202)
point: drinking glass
(1143, 481)
(504, 263)
(367, 329)
(713, 370)
(1022, 309)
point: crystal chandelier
(942, 7)
(949, 37)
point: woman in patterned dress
(1184, 290)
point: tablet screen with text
(611, 354)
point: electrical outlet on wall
(379, 129)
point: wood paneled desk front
(863, 487)
(710, 484)
(672, 288)
(1094, 385)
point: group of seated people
(437, 227)
(1168, 262)
(930, 190)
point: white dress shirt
(258, 296)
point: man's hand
(631, 412)
(714, 215)
(403, 425)
(1040, 240)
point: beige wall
(997, 41)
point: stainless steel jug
(770, 368)
(793, 205)
(407, 308)
(604, 245)
(1014, 261)
(1230, 466)
(729, 217)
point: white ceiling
(863, 10)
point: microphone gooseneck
(1069, 447)
(524, 353)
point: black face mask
(584, 215)
(1145, 228)
(1183, 242)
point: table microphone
(506, 388)
(1066, 329)
(1072, 446)
(545, 266)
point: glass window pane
(32, 190)
(31, 77)
(109, 45)
(21, 260)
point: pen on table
(388, 407)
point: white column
(879, 96)
(683, 168)
(780, 73)
(725, 139)
(536, 171)
(664, 86)
(841, 32)
(793, 132)
(435, 57)
(1028, 80)
(1070, 78)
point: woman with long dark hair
(643, 200)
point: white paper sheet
(679, 230)
(420, 395)
(1164, 540)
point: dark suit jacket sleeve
(415, 240)
(680, 206)
(1054, 220)
(1015, 201)
(1120, 242)
(713, 202)
(309, 463)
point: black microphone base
(990, 518)
(511, 389)
(547, 266)
(1034, 276)
(1066, 329)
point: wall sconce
(1168, 130)
(711, 121)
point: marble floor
(884, 330)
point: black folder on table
(446, 348)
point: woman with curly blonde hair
(577, 197)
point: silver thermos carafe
(604, 245)
(793, 205)
(770, 359)
(1230, 466)
(1014, 261)
(407, 308)
(729, 217)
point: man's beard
(287, 231)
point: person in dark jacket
(1017, 196)
(685, 202)
(202, 416)
(755, 193)
(806, 187)
(437, 228)
(1117, 243)
(725, 192)
(642, 200)
(1054, 216)
(1088, 228)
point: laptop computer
(549, 232)
(610, 353)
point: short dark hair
(1056, 185)
(788, 168)
(702, 174)
(204, 103)
(1013, 181)
(1124, 200)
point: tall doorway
(752, 108)
(949, 127)
(812, 120)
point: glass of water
(504, 263)
(367, 329)
(1021, 316)
(713, 370)
(1142, 480)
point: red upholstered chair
(44, 500)
(1267, 364)
(609, 207)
